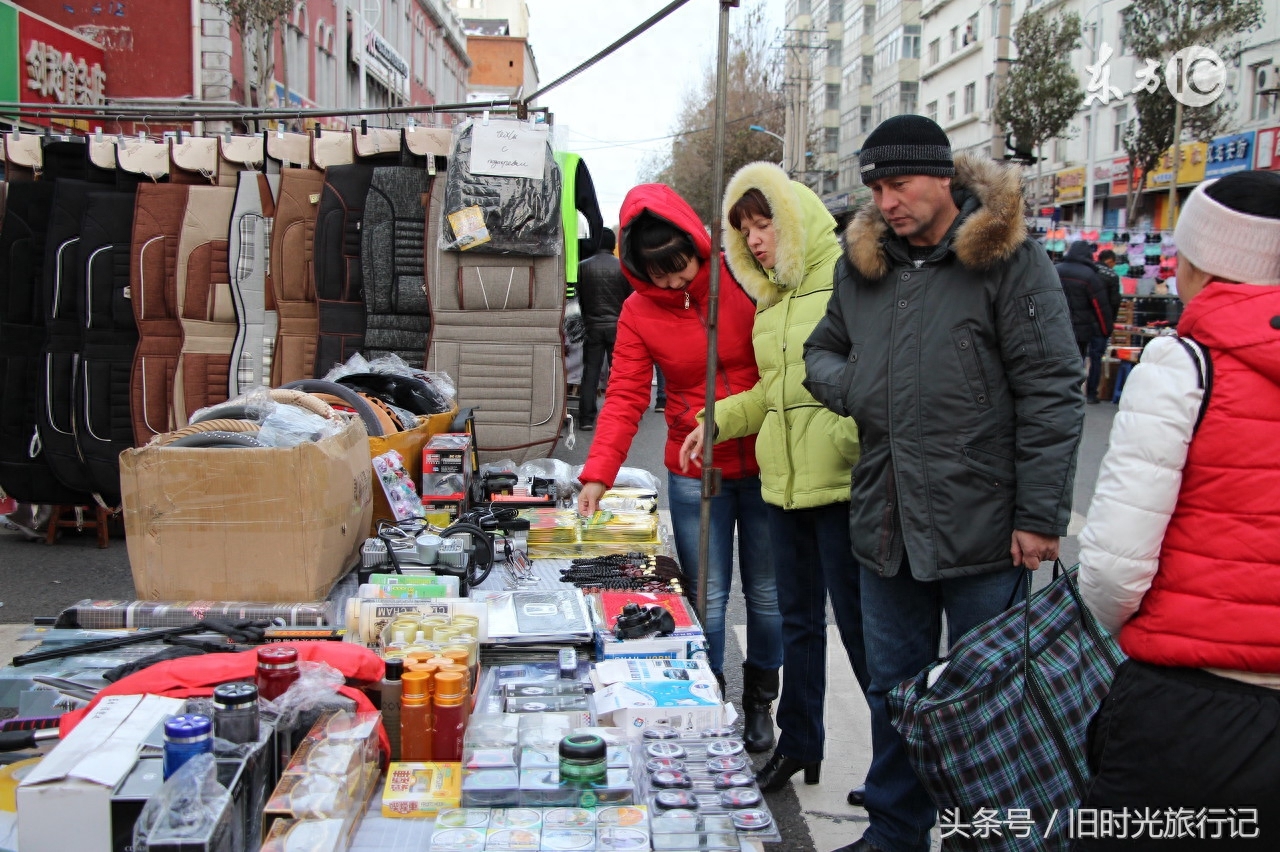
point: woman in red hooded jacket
(665, 250)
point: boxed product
(446, 467)
(82, 772)
(686, 706)
(421, 789)
(259, 523)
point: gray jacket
(964, 378)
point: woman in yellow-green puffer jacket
(781, 246)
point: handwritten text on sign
(508, 148)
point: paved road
(36, 579)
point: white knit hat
(1227, 243)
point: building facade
(502, 61)
(325, 54)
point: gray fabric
(398, 315)
(249, 239)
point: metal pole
(710, 474)
(1004, 20)
(1177, 164)
(1091, 142)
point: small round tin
(669, 778)
(621, 815)
(612, 837)
(656, 764)
(660, 733)
(740, 797)
(735, 763)
(719, 733)
(724, 748)
(665, 749)
(459, 838)
(726, 780)
(669, 799)
(752, 819)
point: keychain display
(397, 484)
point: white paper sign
(508, 148)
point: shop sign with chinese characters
(1191, 163)
(50, 65)
(1229, 154)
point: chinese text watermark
(1195, 76)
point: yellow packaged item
(421, 789)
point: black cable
(477, 570)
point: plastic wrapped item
(398, 485)
(560, 472)
(493, 214)
(288, 426)
(254, 404)
(190, 808)
(108, 614)
(632, 477)
(423, 392)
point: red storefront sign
(58, 66)
(1120, 176)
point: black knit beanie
(906, 145)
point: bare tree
(754, 98)
(257, 22)
(1156, 30)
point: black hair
(1105, 255)
(752, 203)
(1256, 193)
(608, 240)
(656, 247)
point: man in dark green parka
(948, 340)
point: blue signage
(1229, 154)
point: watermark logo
(1195, 76)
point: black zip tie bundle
(636, 572)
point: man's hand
(589, 498)
(1030, 549)
(691, 449)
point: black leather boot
(759, 691)
(775, 774)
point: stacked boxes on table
(446, 473)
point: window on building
(835, 12)
(931, 111)
(326, 88)
(864, 120)
(911, 41)
(955, 39)
(1121, 114)
(434, 77)
(805, 8)
(990, 99)
(1266, 79)
(831, 140)
(971, 29)
(1059, 150)
(868, 18)
(833, 53)
(420, 50)
(970, 98)
(993, 16)
(868, 70)
(951, 106)
(935, 51)
(833, 96)
(299, 53)
(909, 92)
(829, 182)
(1126, 26)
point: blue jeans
(738, 504)
(813, 553)
(902, 617)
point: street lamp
(758, 129)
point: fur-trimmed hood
(989, 195)
(805, 233)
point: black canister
(582, 759)
(235, 712)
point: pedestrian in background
(601, 292)
(1178, 554)
(1091, 313)
(948, 340)
(666, 256)
(781, 245)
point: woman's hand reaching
(691, 449)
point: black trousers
(596, 348)
(1182, 759)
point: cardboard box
(260, 524)
(687, 707)
(421, 789)
(80, 774)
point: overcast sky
(625, 106)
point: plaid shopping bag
(996, 730)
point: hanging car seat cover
(395, 290)
(522, 214)
(249, 242)
(61, 301)
(338, 272)
(292, 281)
(204, 301)
(25, 473)
(153, 285)
(103, 424)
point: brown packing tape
(269, 524)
